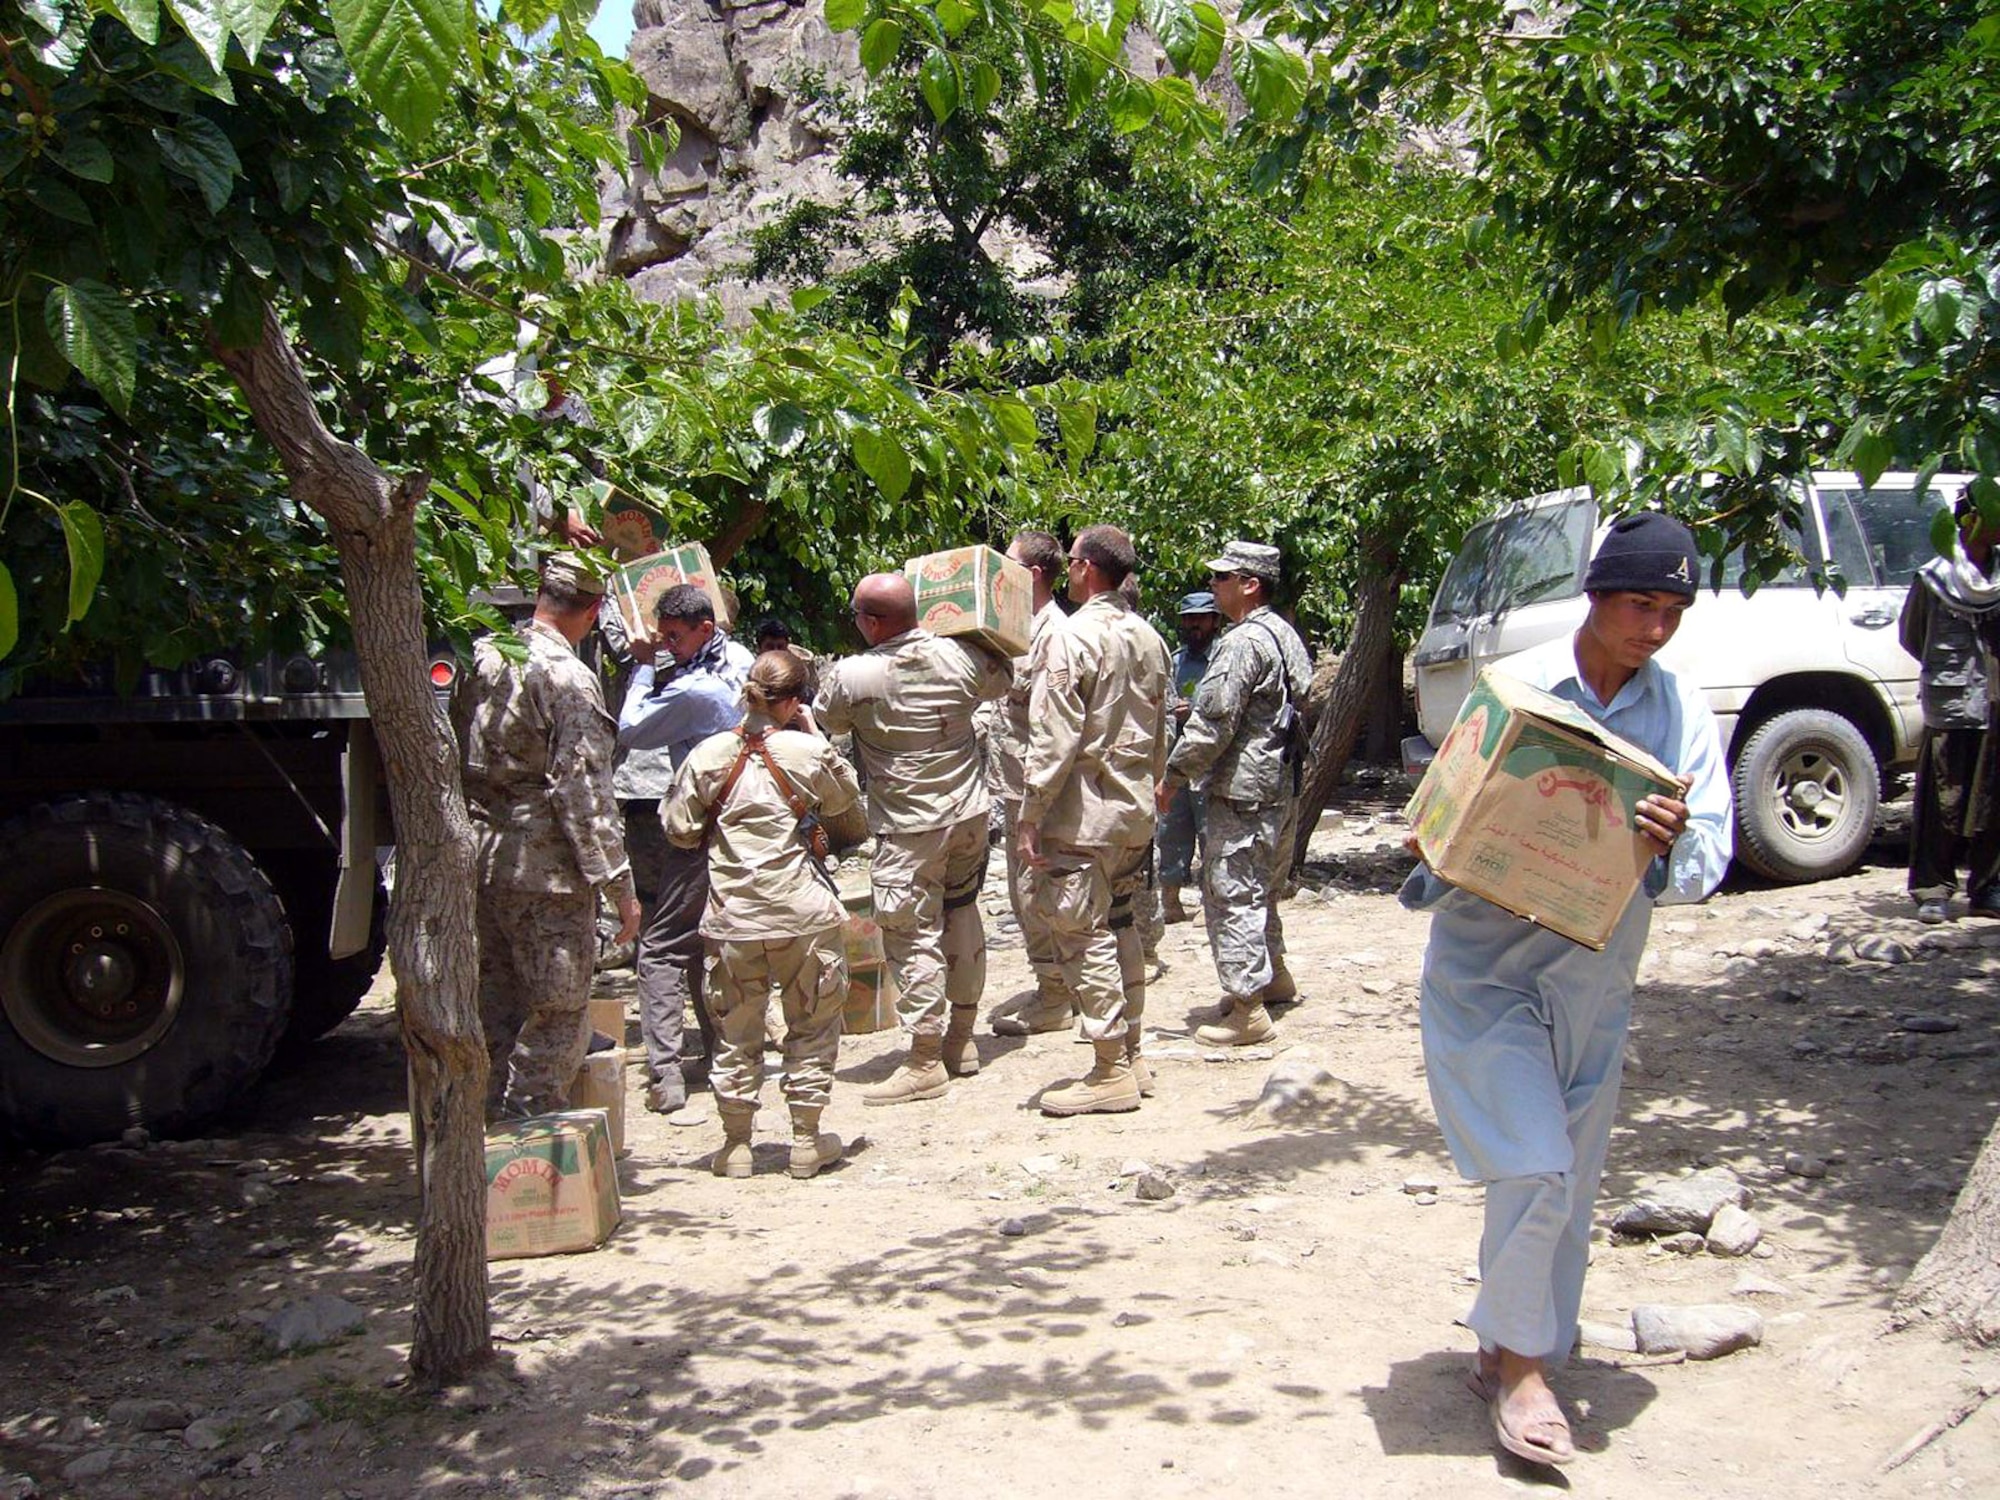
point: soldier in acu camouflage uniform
(909, 702)
(535, 745)
(1236, 746)
(1096, 747)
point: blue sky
(613, 26)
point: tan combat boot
(811, 1150)
(1108, 1088)
(922, 1075)
(733, 1158)
(1142, 1076)
(1050, 1010)
(1242, 1023)
(961, 1058)
(1170, 905)
(1282, 990)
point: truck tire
(145, 969)
(1807, 789)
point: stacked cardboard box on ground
(1530, 802)
(871, 993)
(550, 1185)
(600, 1084)
(977, 593)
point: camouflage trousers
(1177, 833)
(536, 953)
(1034, 931)
(1242, 866)
(927, 903)
(810, 974)
(1148, 914)
(1086, 898)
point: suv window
(1886, 526)
(1528, 557)
(1795, 574)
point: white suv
(1816, 698)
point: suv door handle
(1873, 619)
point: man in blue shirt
(1523, 1029)
(669, 709)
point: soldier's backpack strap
(810, 831)
(729, 783)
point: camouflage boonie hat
(572, 571)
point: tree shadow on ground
(1331, 1124)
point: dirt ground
(978, 1302)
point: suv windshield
(1524, 557)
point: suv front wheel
(1806, 789)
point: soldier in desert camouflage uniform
(771, 916)
(535, 748)
(1053, 1006)
(1096, 747)
(909, 702)
(1237, 747)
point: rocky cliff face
(738, 77)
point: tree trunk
(1353, 687)
(1959, 1281)
(432, 942)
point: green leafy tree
(952, 155)
(1334, 387)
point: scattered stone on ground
(1733, 1231)
(1680, 1204)
(1798, 1164)
(318, 1319)
(149, 1414)
(1701, 1332)
(1152, 1187)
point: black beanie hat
(1647, 553)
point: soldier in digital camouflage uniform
(535, 749)
(909, 702)
(1097, 744)
(1234, 748)
(1053, 1005)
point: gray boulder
(1681, 1205)
(1702, 1332)
(1294, 1088)
(149, 1414)
(1733, 1231)
(319, 1319)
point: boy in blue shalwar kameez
(1523, 1029)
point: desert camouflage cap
(1255, 558)
(573, 571)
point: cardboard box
(607, 1016)
(550, 1185)
(636, 587)
(871, 1003)
(861, 933)
(977, 593)
(600, 1084)
(1529, 804)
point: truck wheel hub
(90, 977)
